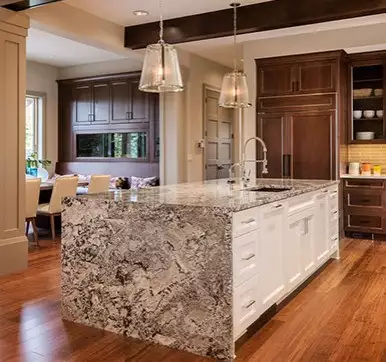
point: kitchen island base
(192, 266)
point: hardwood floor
(339, 316)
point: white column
(13, 243)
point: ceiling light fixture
(140, 12)
(161, 70)
(234, 89)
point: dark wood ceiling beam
(27, 4)
(270, 15)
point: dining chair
(63, 186)
(32, 191)
(99, 183)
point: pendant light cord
(235, 34)
(161, 23)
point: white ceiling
(121, 11)
(50, 49)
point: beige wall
(41, 78)
(100, 68)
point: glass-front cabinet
(366, 118)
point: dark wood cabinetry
(128, 103)
(300, 114)
(365, 206)
(366, 100)
(107, 118)
(317, 73)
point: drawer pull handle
(335, 212)
(249, 221)
(278, 206)
(364, 221)
(250, 304)
(249, 257)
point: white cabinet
(322, 227)
(271, 255)
(307, 243)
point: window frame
(39, 122)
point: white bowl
(364, 136)
(357, 114)
(379, 114)
(368, 114)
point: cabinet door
(271, 252)
(307, 245)
(291, 250)
(101, 103)
(82, 104)
(139, 103)
(275, 80)
(316, 77)
(313, 144)
(271, 129)
(120, 104)
(321, 230)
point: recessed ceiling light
(140, 12)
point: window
(131, 145)
(33, 125)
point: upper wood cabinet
(304, 74)
(91, 104)
(128, 103)
(276, 79)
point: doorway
(218, 133)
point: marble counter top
(215, 193)
(371, 177)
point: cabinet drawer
(358, 199)
(246, 221)
(365, 222)
(364, 184)
(246, 307)
(245, 256)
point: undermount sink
(269, 189)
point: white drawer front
(245, 256)
(246, 307)
(246, 221)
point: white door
(218, 137)
(271, 252)
(321, 230)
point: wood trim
(105, 77)
(27, 4)
(252, 18)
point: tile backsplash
(376, 154)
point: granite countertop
(215, 193)
(371, 177)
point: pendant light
(234, 89)
(161, 69)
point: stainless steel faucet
(245, 178)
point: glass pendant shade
(234, 91)
(161, 70)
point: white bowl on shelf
(364, 136)
(379, 113)
(357, 114)
(369, 114)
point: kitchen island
(192, 266)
